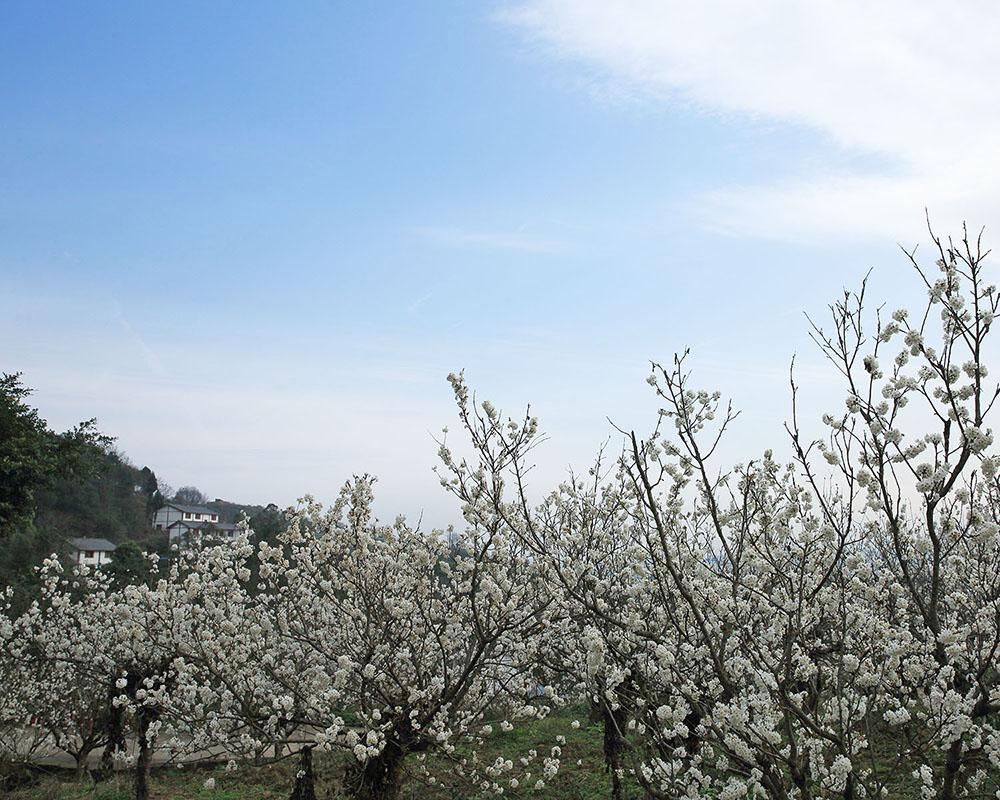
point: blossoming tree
(413, 640)
(782, 630)
(823, 628)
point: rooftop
(88, 543)
(191, 509)
(204, 524)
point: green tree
(32, 456)
(190, 495)
(129, 565)
(268, 523)
(149, 487)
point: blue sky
(252, 239)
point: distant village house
(189, 525)
(88, 552)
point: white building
(186, 534)
(188, 526)
(88, 552)
(176, 512)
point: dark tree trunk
(614, 721)
(115, 742)
(800, 777)
(80, 757)
(305, 780)
(952, 765)
(773, 783)
(144, 759)
(378, 778)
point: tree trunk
(378, 778)
(144, 759)
(952, 765)
(305, 780)
(81, 757)
(614, 746)
(115, 729)
(800, 778)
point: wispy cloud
(881, 79)
(490, 240)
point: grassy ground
(584, 781)
(581, 775)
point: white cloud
(915, 83)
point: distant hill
(116, 503)
(60, 486)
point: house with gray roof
(91, 552)
(188, 525)
(187, 534)
(179, 512)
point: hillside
(116, 502)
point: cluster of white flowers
(419, 638)
(768, 630)
(765, 630)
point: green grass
(584, 781)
